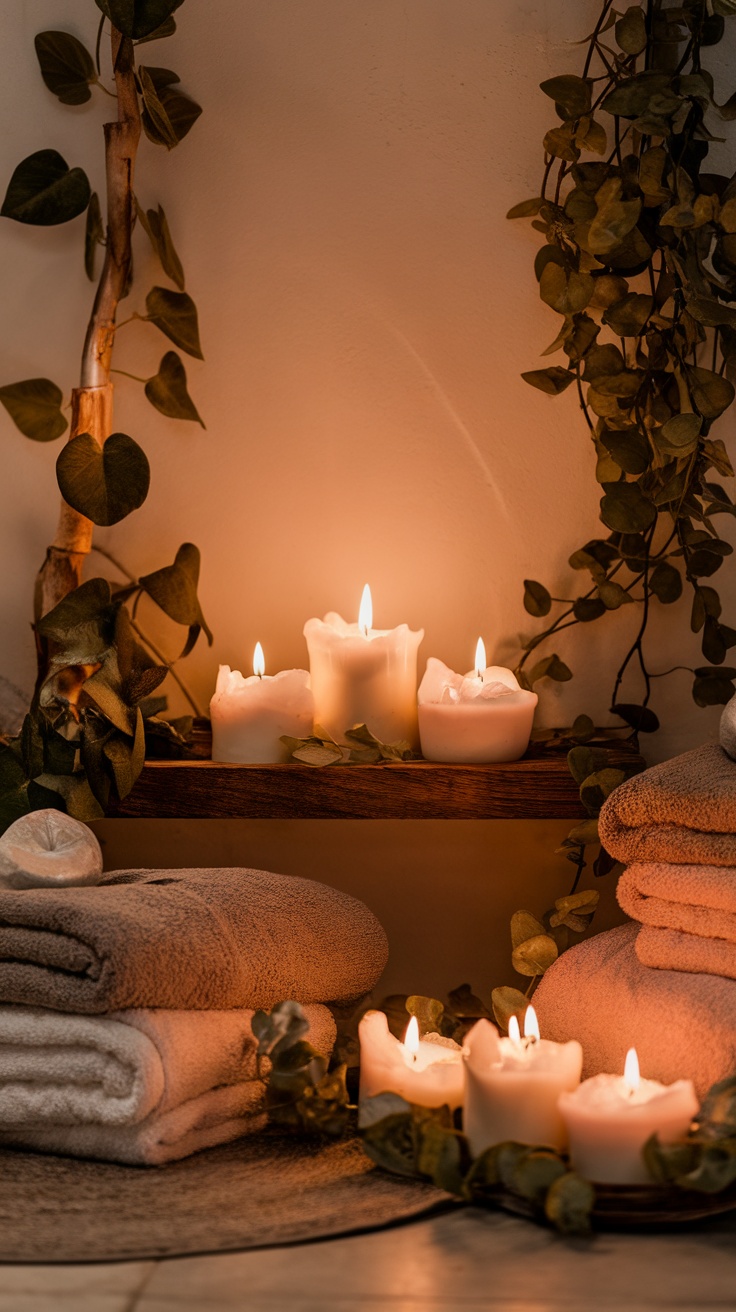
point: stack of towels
(665, 983)
(126, 1005)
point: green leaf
(103, 483)
(711, 313)
(167, 28)
(613, 595)
(94, 233)
(565, 290)
(175, 314)
(428, 1011)
(569, 1203)
(571, 93)
(86, 613)
(167, 390)
(584, 761)
(679, 436)
(628, 317)
(614, 220)
(587, 609)
(174, 588)
(598, 786)
(631, 32)
(316, 753)
(550, 667)
(629, 447)
(534, 956)
(640, 718)
(526, 209)
(633, 95)
(44, 191)
(156, 225)
(34, 406)
(710, 393)
(625, 509)
(508, 1002)
(537, 600)
(524, 926)
(280, 1029)
(67, 67)
(666, 583)
(535, 1172)
(582, 728)
(552, 381)
(168, 114)
(138, 18)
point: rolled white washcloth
(49, 849)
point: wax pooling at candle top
(484, 683)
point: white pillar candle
(610, 1117)
(250, 715)
(427, 1071)
(478, 717)
(362, 675)
(513, 1085)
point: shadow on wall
(444, 890)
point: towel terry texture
(697, 900)
(187, 940)
(141, 1087)
(682, 811)
(683, 1026)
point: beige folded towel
(697, 900)
(683, 1026)
(186, 939)
(682, 811)
(671, 949)
(142, 1087)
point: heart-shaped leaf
(94, 233)
(156, 225)
(175, 314)
(552, 380)
(174, 588)
(34, 406)
(44, 191)
(535, 955)
(625, 509)
(167, 28)
(67, 67)
(103, 483)
(167, 390)
(168, 114)
(537, 600)
(138, 18)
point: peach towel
(695, 899)
(683, 1025)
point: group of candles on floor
(361, 675)
(528, 1090)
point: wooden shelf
(537, 787)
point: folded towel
(728, 728)
(683, 1026)
(698, 900)
(186, 939)
(142, 1087)
(49, 848)
(683, 811)
(671, 949)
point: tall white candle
(250, 715)
(610, 1117)
(479, 717)
(513, 1085)
(362, 675)
(427, 1071)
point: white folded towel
(142, 1087)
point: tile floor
(467, 1261)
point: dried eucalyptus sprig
(362, 748)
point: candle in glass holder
(513, 1085)
(478, 717)
(362, 675)
(250, 715)
(426, 1071)
(610, 1117)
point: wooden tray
(640, 1207)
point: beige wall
(365, 311)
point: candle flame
(365, 614)
(514, 1031)
(631, 1070)
(259, 662)
(531, 1024)
(480, 658)
(411, 1038)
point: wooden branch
(62, 569)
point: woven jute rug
(255, 1193)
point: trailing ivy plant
(83, 742)
(639, 262)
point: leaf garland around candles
(93, 714)
(362, 748)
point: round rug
(268, 1190)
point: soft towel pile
(666, 984)
(129, 1038)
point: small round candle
(250, 715)
(362, 675)
(426, 1071)
(513, 1085)
(610, 1117)
(478, 717)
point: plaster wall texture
(366, 311)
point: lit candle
(427, 1071)
(610, 1117)
(477, 717)
(513, 1085)
(250, 715)
(362, 675)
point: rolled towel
(698, 900)
(186, 939)
(682, 811)
(728, 728)
(142, 1087)
(683, 1026)
(49, 849)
